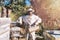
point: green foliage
(18, 8)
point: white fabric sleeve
(39, 20)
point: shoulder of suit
(21, 17)
(35, 16)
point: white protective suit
(29, 20)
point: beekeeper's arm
(39, 20)
(36, 25)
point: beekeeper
(31, 21)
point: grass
(0, 9)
